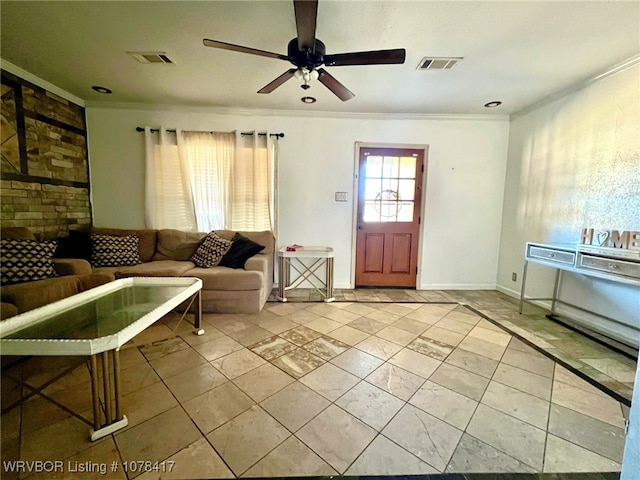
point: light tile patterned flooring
(352, 387)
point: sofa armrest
(7, 310)
(71, 266)
(261, 263)
(95, 280)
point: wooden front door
(389, 200)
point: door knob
(360, 227)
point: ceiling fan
(307, 54)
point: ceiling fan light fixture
(308, 100)
(306, 75)
(307, 54)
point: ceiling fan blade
(241, 49)
(340, 91)
(306, 15)
(278, 81)
(375, 57)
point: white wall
(575, 163)
(465, 180)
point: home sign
(623, 243)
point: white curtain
(209, 158)
(168, 199)
(253, 183)
(210, 180)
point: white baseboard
(516, 294)
(508, 291)
(457, 286)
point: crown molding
(609, 72)
(295, 113)
(30, 77)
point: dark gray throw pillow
(241, 250)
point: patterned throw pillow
(26, 260)
(114, 251)
(211, 251)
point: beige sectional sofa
(72, 276)
(167, 252)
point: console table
(570, 258)
(288, 260)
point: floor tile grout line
(528, 424)
(550, 402)
(559, 319)
(203, 434)
(547, 433)
(479, 402)
(360, 380)
(380, 432)
(565, 364)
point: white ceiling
(517, 52)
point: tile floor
(371, 385)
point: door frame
(356, 185)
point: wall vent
(151, 57)
(438, 63)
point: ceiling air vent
(151, 57)
(438, 63)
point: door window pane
(390, 185)
(391, 167)
(373, 167)
(388, 211)
(389, 189)
(371, 212)
(372, 188)
(405, 212)
(407, 167)
(406, 189)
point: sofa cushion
(177, 245)
(211, 251)
(263, 238)
(17, 232)
(114, 251)
(147, 239)
(157, 268)
(241, 250)
(25, 260)
(227, 279)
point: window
(210, 180)
(389, 187)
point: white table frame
(570, 258)
(102, 350)
(288, 260)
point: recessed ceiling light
(308, 100)
(100, 89)
(493, 104)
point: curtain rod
(261, 134)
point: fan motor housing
(306, 58)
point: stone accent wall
(45, 168)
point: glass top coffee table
(97, 323)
